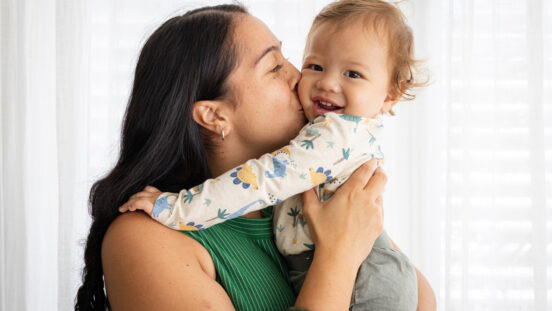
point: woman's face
(267, 112)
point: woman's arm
(151, 267)
(426, 296)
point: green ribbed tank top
(247, 262)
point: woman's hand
(344, 229)
(348, 224)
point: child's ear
(213, 115)
(390, 101)
(393, 97)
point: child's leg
(386, 280)
(298, 265)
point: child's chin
(309, 114)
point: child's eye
(275, 69)
(353, 74)
(314, 67)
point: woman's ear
(212, 115)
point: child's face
(345, 71)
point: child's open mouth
(324, 106)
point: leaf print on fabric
(312, 132)
(188, 197)
(309, 143)
(372, 137)
(294, 212)
(355, 119)
(301, 220)
(346, 153)
(221, 214)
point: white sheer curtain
(475, 169)
(469, 162)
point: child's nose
(328, 84)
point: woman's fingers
(310, 200)
(364, 172)
(379, 204)
(375, 186)
(358, 180)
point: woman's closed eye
(276, 68)
(353, 74)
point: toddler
(358, 63)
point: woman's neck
(225, 159)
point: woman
(212, 90)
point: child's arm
(322, 150)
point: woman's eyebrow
(268, 50)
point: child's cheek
(303, 91)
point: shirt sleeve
(322, 149)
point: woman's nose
(293, 76)
(328, 83)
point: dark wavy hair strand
(187, 59)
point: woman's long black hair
(186, 59)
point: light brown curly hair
(387, 20)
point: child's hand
(143, 200)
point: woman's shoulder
(135, 232)
(142, 257)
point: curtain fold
(13, 228)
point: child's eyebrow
(268, 50)
(364, 66)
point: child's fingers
(130, 205)
(139, 195)
(143, 205)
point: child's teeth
(326, 104)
